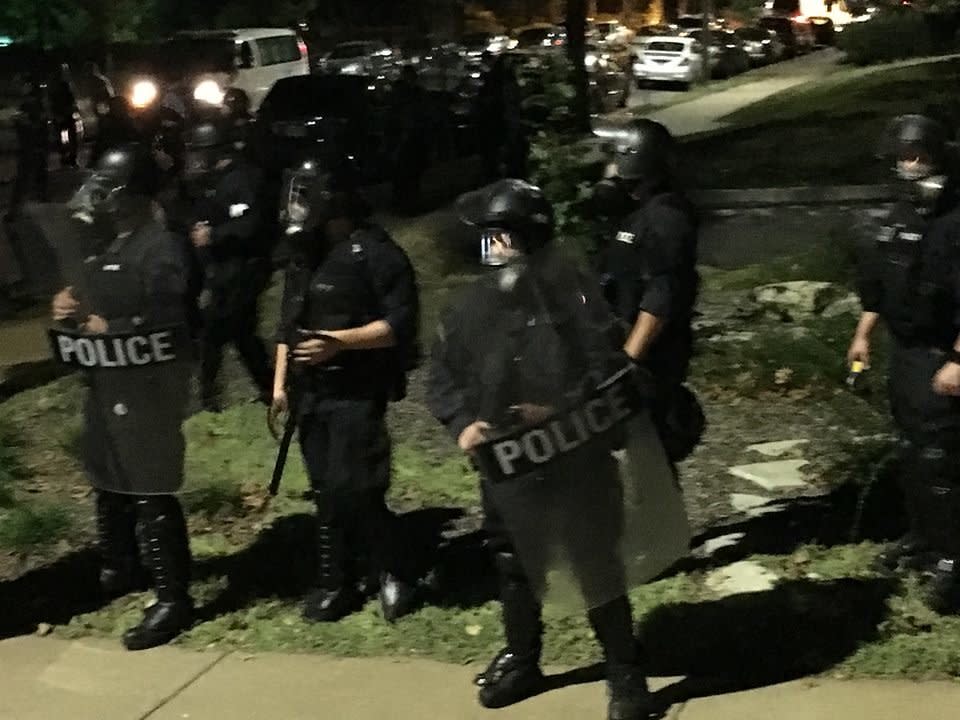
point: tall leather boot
(941, 515)
(165, 551)
(377, 530)
(120, 568)
(335, 595)
(911, 551)
(630, 697)
(514, 674)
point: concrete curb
(772, 197)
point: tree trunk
(576, 52)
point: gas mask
(612, 198)
(923, 184)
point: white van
(261, 57)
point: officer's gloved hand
(643, 380)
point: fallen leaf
(473, 630)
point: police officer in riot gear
(231, 236)
(346, 339)
(911, 282)
(516, 339)
(32, 122)
(650, 272)
(408, 136)
(132, 284)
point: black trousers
(347, 451)
(31, 181)
(233, 318)
(596, 561)
(929, 425)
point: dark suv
(795, 33)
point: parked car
(476, 44)
(795, 33)
(669, 59)
(334, 115)
(728, 57)
(540, 37)
(648, 31)
(762, 45)
(824, 31)
(610, 32)
(358, 58)
(248, 60)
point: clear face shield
(298, 193)
(497, 248)
(96, 198)
(916, 168)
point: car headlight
(143, 93)
(591, 60)
(209, 92)
(351, 69)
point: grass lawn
(822, 133)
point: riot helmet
(916, 148)
(643, 162)
(207, 149)
(516, 220)
(318, 190)
(649, 155)
(117, 195)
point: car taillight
(303, 48)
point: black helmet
(205, 136)
(316, 190)
(648, 153)
(236, 104)
(519, 209)
(917, 147)
(129, 167)
(122, 183)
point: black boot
(630, 697)
(120, 568)
(910, 552)
(165, 550)
(943, 591)
(334, 597)
(397, 597)
(514, 674)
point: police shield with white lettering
(529, 376)
(121, 320)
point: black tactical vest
(917, 274)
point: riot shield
(139, 389)
(573, 465)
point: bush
(897, 35)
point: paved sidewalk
(50, 679)
(704, 114)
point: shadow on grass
(282, 563)
(52, 594)
(847, 514)
(747, 641)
